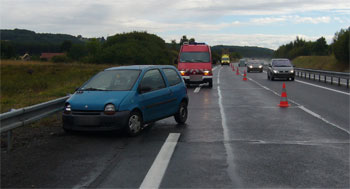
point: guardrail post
(319, 77)
(314, 76)
(338, 81)
(309, 75)
(347, 83)
(325, 78)
(9, 140)
(331, 80)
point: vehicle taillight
(207, 72)
(182, 73)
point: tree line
(299, 47)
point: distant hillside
(27, 36)
(245, 51)
(25, 41)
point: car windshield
(281, 63)
(112, 80)
(194, 57)
(225, 58)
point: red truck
(195, 63)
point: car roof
(280, 59)
(139, 67)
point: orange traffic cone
(245, 76)
(284, 100)
(237, 71)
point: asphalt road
(236, 136)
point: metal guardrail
(24, 116)
(311, 74)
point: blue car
(127, 98)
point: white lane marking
(197, 90)
(323, 87)
(227, 144)
(155, 174)
(334, 90)
(303, 108)
(323, 119)
(215, 68)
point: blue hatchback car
(126, 98)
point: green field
(328, 63)
(29, 83)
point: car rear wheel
(134, 124)
(181, 115)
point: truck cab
(195, 63)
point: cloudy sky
(264, 23)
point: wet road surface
(236, 136)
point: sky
(263, 23)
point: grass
(328, 63)
(27, 83)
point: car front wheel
(181, 115)
(134, 124)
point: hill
(245, 51)
(328, 63)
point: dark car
(280, 68)
(254, 66)
(126, 98)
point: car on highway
(280, 68)
(254, 65)
(195, 63)
(242, 63)
(127, 98)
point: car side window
(172, 76)
(153, 80)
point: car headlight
(275, 71)
(250, 66)
(260, 66)
(109, 109)
(67, 108)
(291, 71)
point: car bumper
(202, 79)
(255, 69)
(95, 121)
(283, 75)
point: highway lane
(235, 136)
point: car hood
(96, 100)
(283, 68)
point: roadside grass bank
(27, 83)
(328, 63)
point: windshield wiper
(92, 89)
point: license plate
(87, 121)
(196, 78)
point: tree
(320, 47)
(183, 39)
(341, 44)
(66, 45)
(192, 40)
(7, 50)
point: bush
(60, 59)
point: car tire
(134, 124)
(272, 78)
(292, 78)
(268, 77)
(210, 83)
(181, 114)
